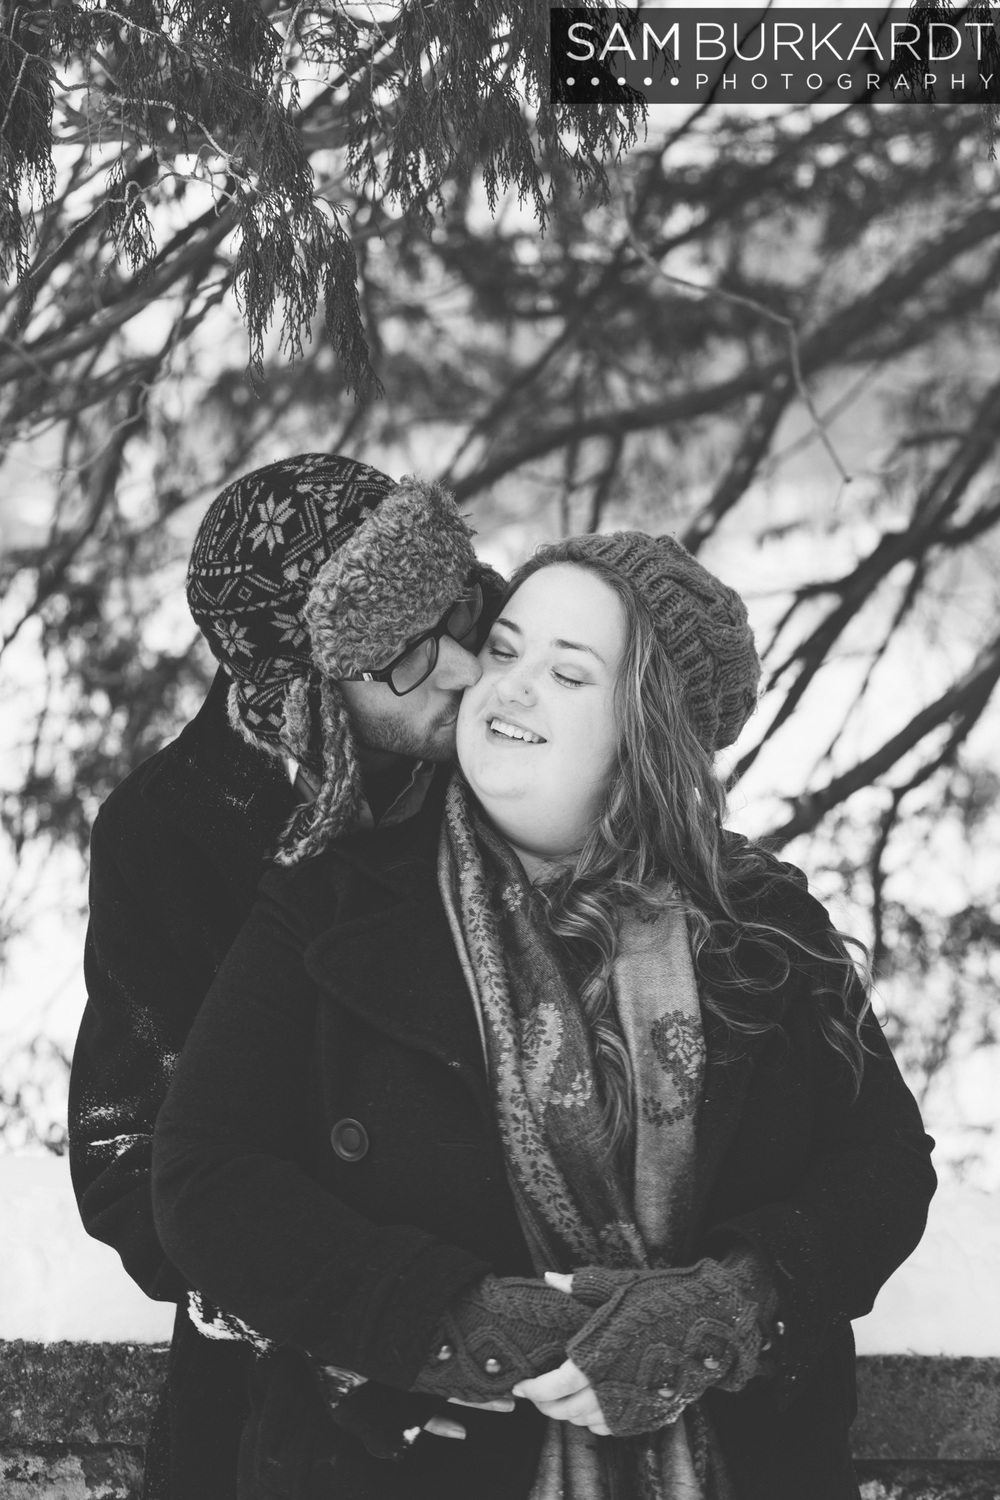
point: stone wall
(73, 1419)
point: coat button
(492, 1366)
(349, 1139)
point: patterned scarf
(575, 1206)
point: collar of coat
(389, 957)
(227, 796)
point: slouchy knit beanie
(701, 622)
(311, 569)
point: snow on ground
(946, 1298)
(56, 1283)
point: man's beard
(383, 732)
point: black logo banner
(692, 54)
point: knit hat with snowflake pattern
(311, 569)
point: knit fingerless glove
(506, 1329)
(660, 1338)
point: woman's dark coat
(343, 999)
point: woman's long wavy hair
(662, 817)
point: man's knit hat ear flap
(298, 726)
(297, 712)
(238, 707)
(406, 563)
(338, 801)
(395, 576)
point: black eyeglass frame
(474, 595)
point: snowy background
(55, 1282)
(59, 1284)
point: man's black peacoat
(328, 1167)
(176, 855)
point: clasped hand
(657, 1340)
(565, 1394)
(640, 1345)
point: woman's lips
(509, 732)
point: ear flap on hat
(401, 569)
(338, 801)
(236, 707)
(298, 726)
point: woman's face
(537, 733)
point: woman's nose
(517, 684)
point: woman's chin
(492, 788)
(490, 773)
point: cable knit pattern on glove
(505, 1330)
(660, 1338)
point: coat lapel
(728, 1070)
(394, 965)
(731, 1057)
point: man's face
(421, 724)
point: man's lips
(449, 718)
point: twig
(286, 49)
(13, 93)
(738, 300)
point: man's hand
(443, 1427)
(446, 1427)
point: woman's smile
(537, 734)
(506, 732)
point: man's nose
(456, 668)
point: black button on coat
(343, 999)
(349, 1139)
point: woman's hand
(566, 1395)
(560, 1281)
(659, 1337)
(502, 1330)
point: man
(278, 752)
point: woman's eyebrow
(562, 645)
(578, 646)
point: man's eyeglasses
(418, 658)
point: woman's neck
(536, 866)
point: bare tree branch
(966, 699)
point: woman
(583, 1032)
